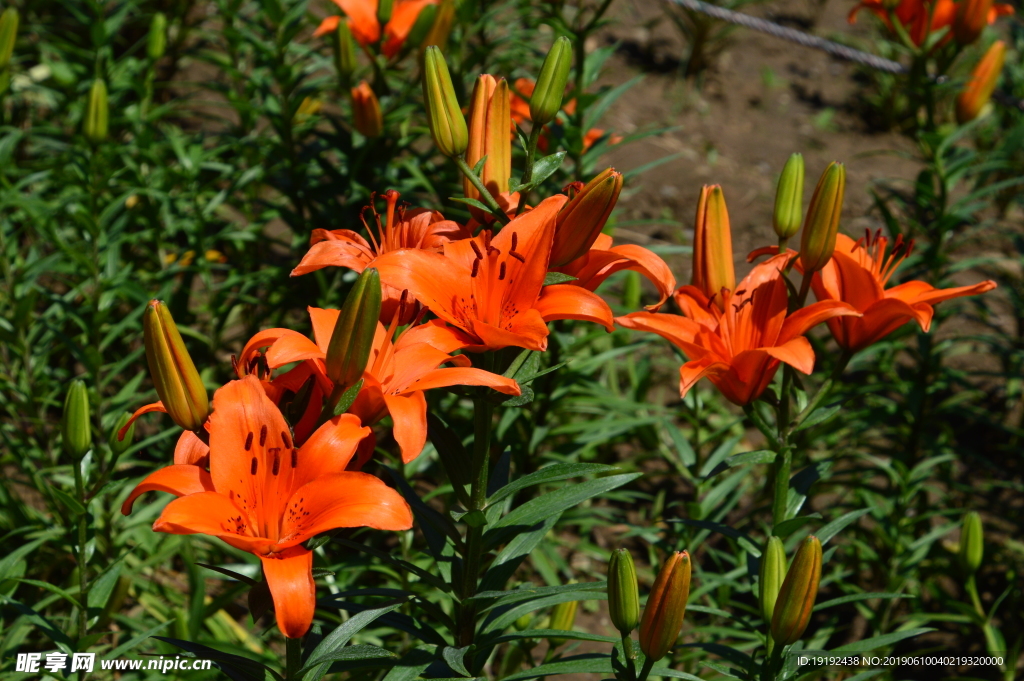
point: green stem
(293, 648)
(646, 669)
(485, 195)
(771, 664)
(531, 153)
(627, 649)
(83, 583)
(972, 590)
(783, 465)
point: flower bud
(384, 8)
(554, 74)
(119, 445)
(523, 622)
(623, 595)
(581, 220)
(666, 606)
(972, 543)
(174, 375)
(308, 107)
(818, 239)
(352, 339)
(345, 60)
(97, 114)
(796, 597)
(74, 424)
(789, 197)
(490, 126)
(441, 28)
(772, 573)
(8, 35)
(563, 616)
(712, 245)
(978, 91)
(971, 20)
(156, 41)
(366, 115)
(447, 124)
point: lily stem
(485, 194)
(293, 650)
(83, 582)
(627, 649)
(531, 153)
(646, 669)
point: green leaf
(51, 588)
(741, 538)
(557, 278)
(583, 664)
(453, 658)
(876, 642)
(230, 573)
(788, 527)
(552, 473)
(348, 397)
(411, 665)
(508, 559)
(337, 639)
(136, 640)
(238, 668)
(44, 625)
(543, 168)
(820, 416)
(68, 501)
(858, 597)
(8, 561)
(501, 618)
(552, 633)
(758, 456)
(471, 202)
(839, 524)
(375, 655)
(526, 593)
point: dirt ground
(764, 99)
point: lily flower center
(869, 251)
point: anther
(253, 466)
(287, 440)
(476, 268)
(517, 256)
(501, 272)
(263, 435)
(476, 249)
(277, 460)
(248, 441)
(515, 240)
(295, 458)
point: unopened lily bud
(972, 543)
(119, 445)
(563, 616)
(623, 594)
(384, 8)
(554, 74)
(490, 126)
(581, 220)
(818, 239)
(444, 116)
(8, 34)
(75, 421)
(170, 366)
(666, 606)
(344, 45)
(523, 622)
(789, 198)
(97, 113)
(971, 20)
(978, 91)
(352, 338)
(441, 28)
(366, 115)
(156, 41)
(772, 574)
(796, 598)
(712, 245)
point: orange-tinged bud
(796, 598)
(666, 606)
(444, 116)
(580, 221)
(174, 375)
(563, 616)
(818, 239)
(978, 91)
(490, 127)
(971, 20)
(712, 244)
(366, 115)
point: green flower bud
(666, 607)
(74, 423)
(789, 198)
(384, 11)
(444, 116)
(8, 34)
(523, 622)
(156, 41)
(818, 239)
(796, 597)
(345, 60)
(563, 616)
(546, 101)
(118, 445)
(623, 595)
(972, 543)
(174, 375)
(96, 122)
(352, 339)
(772, 573)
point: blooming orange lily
(858, 274)
(520, 109)
(913, 16)
(491, 290)
(265, 496)
(396, 376)
(739, 344)
(366, 29)
(604, 260)
(418, 228)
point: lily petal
(409, 414)
(213, 514)
(564, 301)
(290, 578)
(179, 480)
(191, 451)
(145, 409)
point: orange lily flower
(913, 16)
(858, 274)
(520, 110)
(366, 29)
(396, 376)
(740, 344)
(491, 290)
(267, 497)
(418, 228)
(604, 260)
